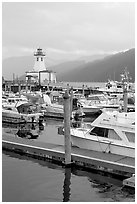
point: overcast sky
(66, 30)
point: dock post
(125, 97)
(26, 87)
(10, 88)
(71, 101)
(83, 91)
(68, 88)
(67, 139)
(19, 88)
(67, 184)
(125, 81)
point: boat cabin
(26, 108)
(112, 134)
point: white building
(40, 74)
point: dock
(108, 162)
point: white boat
(22, 112)
(111, 132)
(95, 103)
(13, 100)
(51, 109)
(115, 87)
(55, 109)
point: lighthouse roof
(39, 52)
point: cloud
(110, 5)
(16, 51)
(67, 28)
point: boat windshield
(98, 131)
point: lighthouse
(40, 74)
(39, 64)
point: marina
(105, 144)
(68, 102)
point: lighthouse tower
(39, 60)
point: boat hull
(91, 110)
(12, 118)
(103, 146)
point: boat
(50, 109)
(114, 96)
(13, 100)
(95, 103)
(111, 132)
(21, 112)
(114, 87)
(56, 109)
(53, 110)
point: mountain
(62, 69)
(93, 57)
(100, 70)
(96, 68)
(19, 65)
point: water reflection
(105, 184)
(28, 130)
(66, 186)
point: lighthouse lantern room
(39, 60)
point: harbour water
(25, 179)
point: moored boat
(111, 132)
(23, 112)
(95, 103)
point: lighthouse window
(37, 59)
(41, 59)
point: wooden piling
(71, 101)
(125, 97)
(125, 81)
(19, 88)
(26, 87)
(67, 184)
(67, 139)
(83, 90)
(68, 88)
(10, 88)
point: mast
(125, 82)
